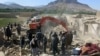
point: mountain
(68, 6)
(55, 6)
(14, 6)
(3, 6)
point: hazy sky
(95, 4)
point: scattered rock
(2, 53)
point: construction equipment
(36, 24)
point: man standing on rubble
(63, 43)
(29, 34)
(34, 46)
(22, 41)
(8, 32)
(69, 38)
(39, 37)
(44, 43)
(54, 44)
(18, 29)
(50, 38)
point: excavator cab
(35, 25)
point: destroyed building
(87, 27)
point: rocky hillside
(68, 6)
(13, 6)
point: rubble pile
(25, 52)
(9, 48)
(15, 51)
(7, 51)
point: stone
(2, 53)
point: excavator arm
(43, 20)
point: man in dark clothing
(39, 37)
(69, 38)
(63, 44)
(22, 41)
(8, 32)
(34, 46)
(11, 26)
(18, 29)
(29, 35)
(44, 43)
(50, 38)
(54, 44)
(15, 24)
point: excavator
(36, 24)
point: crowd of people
(57, 43)
(40, 43)
(8, 30)
(58, 46)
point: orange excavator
(36, 26)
